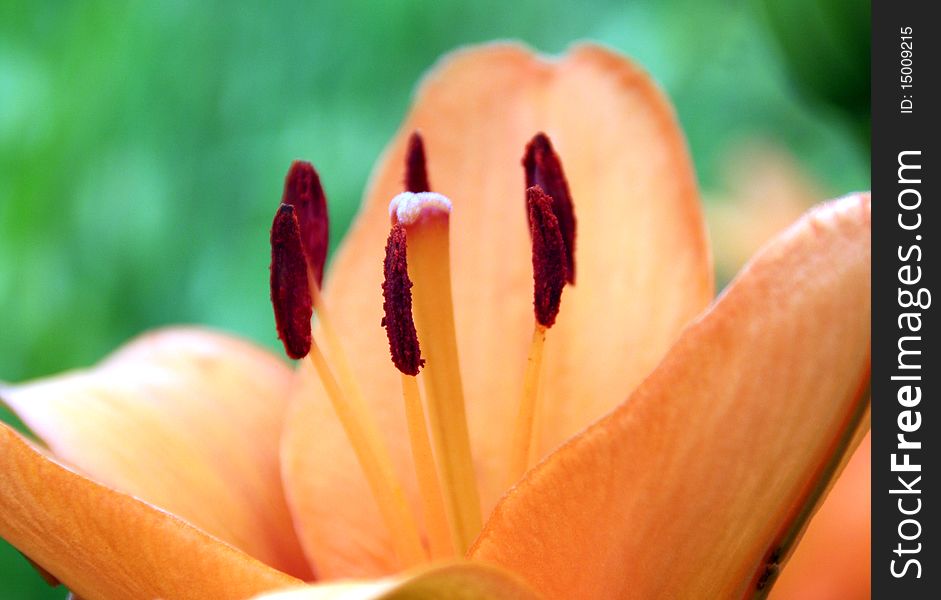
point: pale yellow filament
(523, 439)
(376, 464)
(337, 354)
(436, 520)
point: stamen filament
(524, 438)
(376, 464)
(332, 339)
(429, 270)
(436, 519)
(347, 381)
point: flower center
(425, 219)
(419, 321)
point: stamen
(289, 290)
(543, 168)
(549, 257)
(376, 464)
(292, 287)
(523, 437)
(426, 218)
(416, 174)
(302, 190)
(397, 304)
(436, 518)
(340, 360)
(406, 355)
(549, 261)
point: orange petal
(702, 477)
(833, 559)
(467, 581)
(643, 271)
(104, 544)
(186, 419)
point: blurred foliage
(825, 47)
(143, 145)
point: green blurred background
(143, 145)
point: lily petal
(466, 581)
(699, 484)
(104, 544)
(637, 209)
(186, 419)
(834, 558)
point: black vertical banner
(906, 56)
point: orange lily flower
(680, 446)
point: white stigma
(408, 206)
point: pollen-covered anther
(416, 172)
(544, 168)
(303, 191)
(549, 258)
(408, 208)
(290, 294)
(397, 304)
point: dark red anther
(543, 168)
(548, 256)
(290, 294)
(416, 173)
(303, 191)
(397, 304)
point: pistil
(406, 356)
(426, 218)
